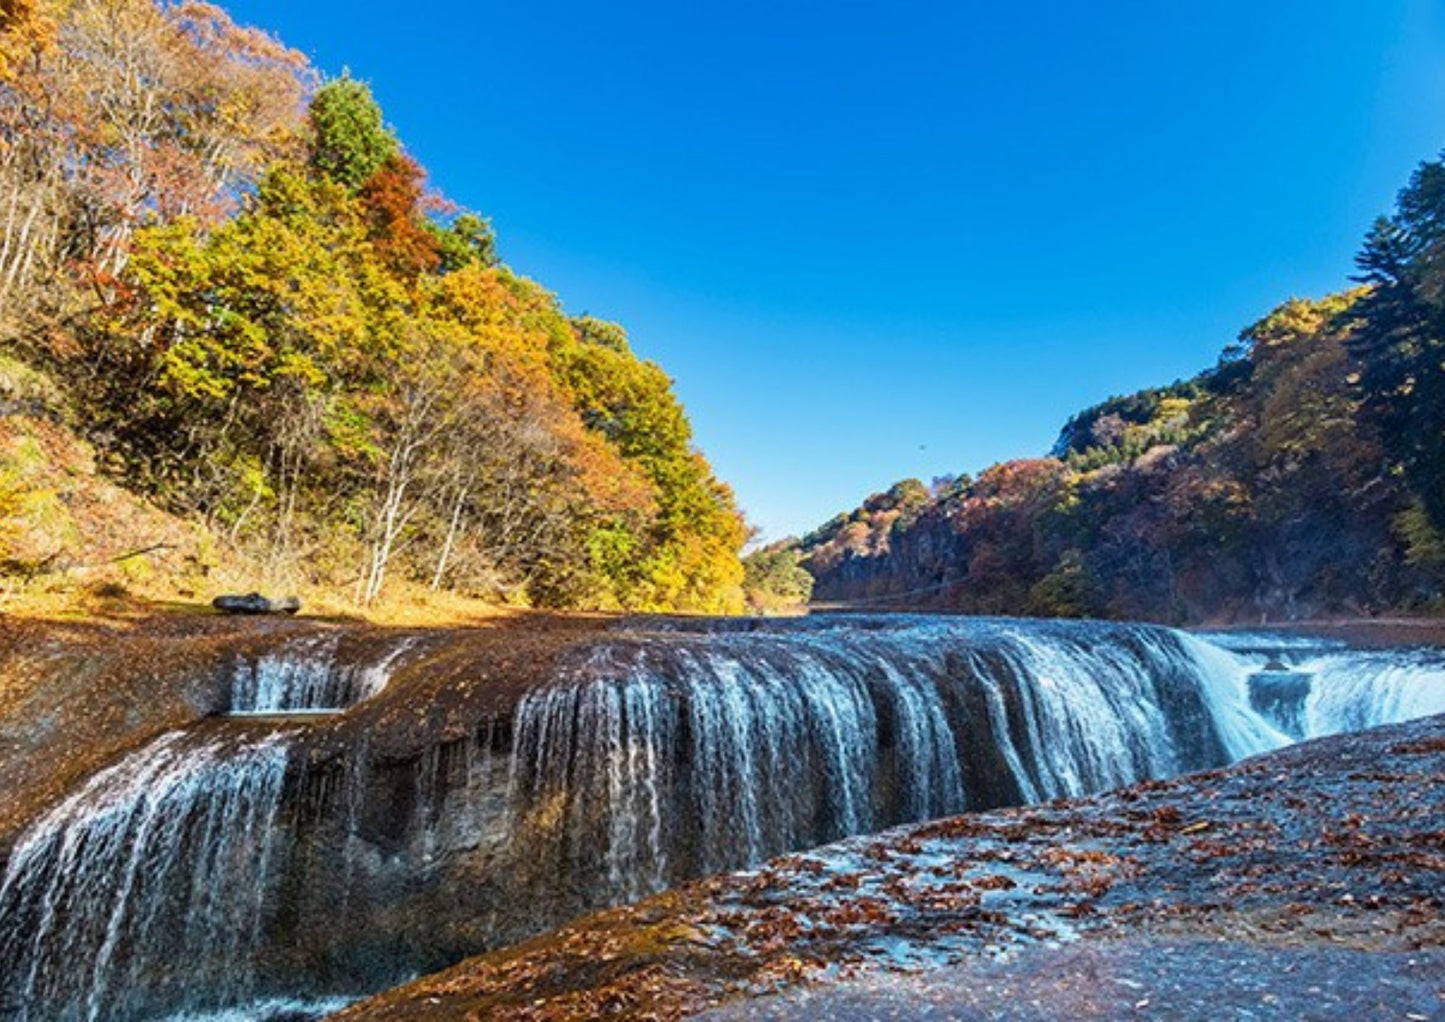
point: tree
(128, 113)
(466, 241)
(1400, 340)
(351, 141)
(392, 199)
(774, 577)
(271, 324)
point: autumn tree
(128, 113)
(274, 326)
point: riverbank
(1256, 884)
(1369, 633)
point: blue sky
(876, 240)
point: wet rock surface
(1304, 883)
(1201, 981)
(436, 793)
(75, 695)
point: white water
(1353, 691)
(693, 753)
(153, 875)
(1348, 689)
(280, 1009)
(305, 676)
(1244, 731)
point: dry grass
(74, 544)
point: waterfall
(1225, 686)
(1354, 690)
(200, 876)
(306, 675)
(147, 885)
(1312, 687)
(688, 751)
(655, 755)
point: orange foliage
(393, 198)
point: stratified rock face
(1223, 894)
(430, 795)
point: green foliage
(1119, 428)
(12, 505)
(466, 241)
(1063, 592)
(687, 556)
(1400, 335)
(351, 142)
(354, 392)
(774, 578)
(1424, 543)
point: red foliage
(393, 198)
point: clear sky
(873, 240)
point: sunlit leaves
(351, 141)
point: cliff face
(916, 566)
(1203, 893)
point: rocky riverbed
(1306, 883)
(280, 816)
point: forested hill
(1303, 475)
(230, 300)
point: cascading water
(680, 753)
(1352, 691)
(203, 873)
(1311, 687)
(711, 758)
(149, 884)
(306, 675)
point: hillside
(1304, 475)
(236, 318)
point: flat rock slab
(1188, 981)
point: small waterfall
(1225, 686)
(147, 886)
(1350, 691)
(1310, 687)
(306, 675)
